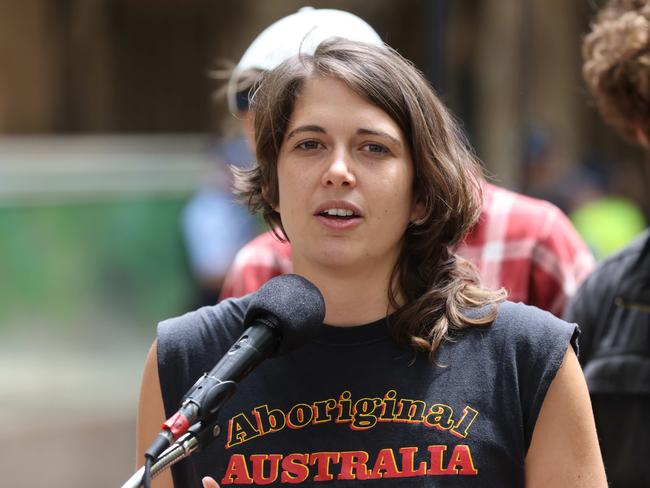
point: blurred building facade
(503, 66)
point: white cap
(301, 32)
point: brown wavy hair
(441, 291)
(616, 67)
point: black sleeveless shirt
(354, 406)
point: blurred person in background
(613, 305)
(586, 192)
(525, 245)
(607, 222)
(214, 226)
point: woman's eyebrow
(380, 133)
(305, 128)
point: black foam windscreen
(296, 305)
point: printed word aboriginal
(362, 414)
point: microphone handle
(204, 400)
(252, 347)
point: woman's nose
(339, 171)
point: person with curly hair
(616, 67)
(613, 305)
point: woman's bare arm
(151, 415)
(564, 451)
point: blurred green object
(83, 265)
(608, 223)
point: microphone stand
(181, 449)
(197, 437)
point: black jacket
(612, 308)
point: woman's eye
(308, 145)
(375, 148)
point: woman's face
(345, 181)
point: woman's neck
(351, 297)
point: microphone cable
(146, 476)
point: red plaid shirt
(525, 245)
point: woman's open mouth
(338, 213)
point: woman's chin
(338, 261)
(346, 261)
(329, 257)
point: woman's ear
(417, 213)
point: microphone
(282, 315)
